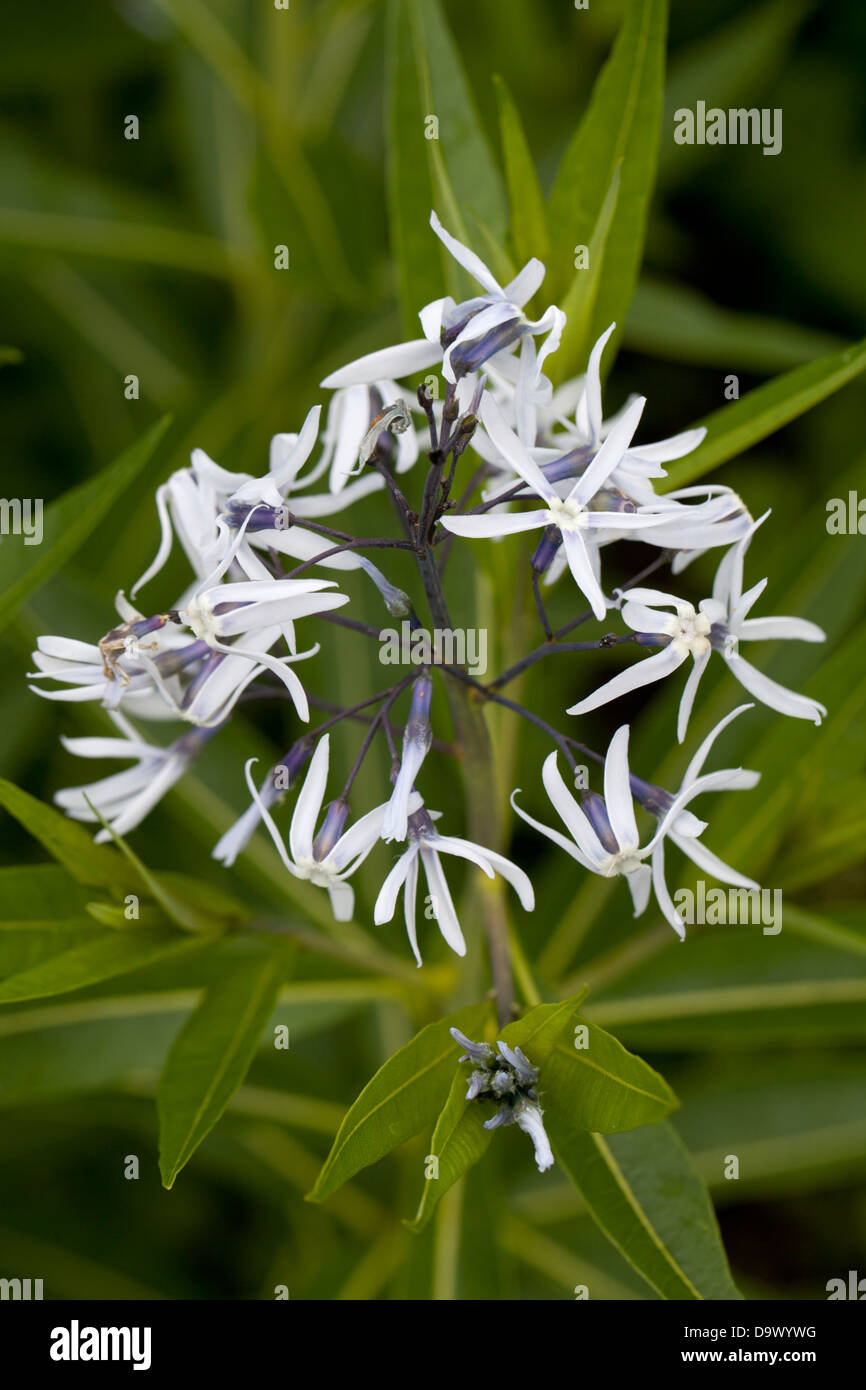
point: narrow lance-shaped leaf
(66, 841)
(66, 525)
(647, 1198)
(410, 193)
(745, 422)
(674, 321)
(211, 1056)
(527, 213)
(473, 173)
(182, 910)
(459, 1141)
(404, 1096)
(621, 125)
(112, 954)
(579, 304)
(600, 1085)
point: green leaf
(472, 170)
(796, 1122)
(527, 213)
(538, 1031)
(40, 896)
(67, 523)
(115, 953)
(73, 1045)
(410, 195)
(745, 422)
(403, 1097)
(600, 1085)
(182, 910)
(674, 321)
(621, 125)
(579, 304)
(459, 1141)
(645, 1194)
(66, 841)
(210, 1057)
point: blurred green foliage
(155, 257)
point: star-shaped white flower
(125, 798)
(573, 516)
(330, 857)
(720, 624)
(463, 337)
(602, 831)
(425, 846)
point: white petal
(690, 690)
(387, 899)
(669, 449)
(309, 802)
(639, 882)
(468, 259)
(514, 875)
(766, 629)
(269, 820)
(711, 863)
(652, 668)
(165, 540)
(697, 762)
(555, 835)
(494, 523)
(609, 455)
(404, 359)
(342, 900)
(617, 790)
(513, 451)
(663, 897)
(582, 572)
(770, 693)
(592, 387)
(446, 917)
(572, 816)
(525, 283)
(410, 898)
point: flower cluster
(508, 1077)
(263, 561)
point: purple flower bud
(333, 826)
(210, 664)
(570, 465)
(595, 810)
(470, 356)
(478, 1052)
(504, 1116)
(612, 500)
(653, 799)
(545, 551)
